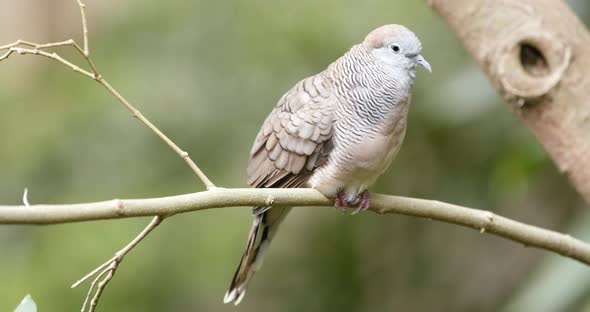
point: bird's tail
(265, 224)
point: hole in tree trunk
(533, 61)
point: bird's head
(396, 46)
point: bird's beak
(420, 60)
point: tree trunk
(536, 53)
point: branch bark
(481, 220)
(536, 53)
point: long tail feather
(259, 238)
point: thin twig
(92, 285)
(92, 273)
(82, 7)
(137, 114)
(101, 286)
(221, 197)
(119, 254)
(53, 56)
(107, 269)
(37, 49)
(42, 46)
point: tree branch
(536, 53)
(481, 220)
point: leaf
(27, 305)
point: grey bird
(336, 132)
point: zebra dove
(336, 132)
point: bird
(336, 132)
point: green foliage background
(207, 73)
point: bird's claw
(363, 201)
(340, 201)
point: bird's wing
(295, 138)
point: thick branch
(481, 220)
(537, 54)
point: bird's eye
(395, 48)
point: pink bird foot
(340, 201)
(364, 201)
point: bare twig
(53, 56)
(137, 114)
(44, 46)
(481, 220)
(93, 284)
(38, 49)
(82, 6)
(107, 269)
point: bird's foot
(364, 201)
(341, 201)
